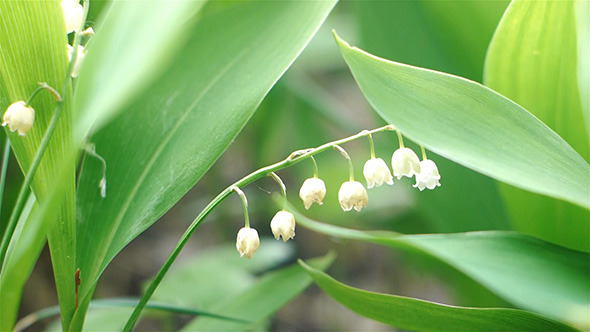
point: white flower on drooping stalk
(376, 173)
(405, 163)
(247, 242)
(19, 116)
(313, 190)
(283, 224)
(73, 14)
(79, 59)
(352, 194)
(428, 176)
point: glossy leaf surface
(471, 125)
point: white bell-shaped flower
(73, 13)
(19, 116)
(405, 163)
(376, 173)
(312, 191)
(247, 242)
(352, 194)
(79, 59)
(283, 224)
(428, 176)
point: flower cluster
(352, 194)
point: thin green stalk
(5, 157)
(282, 185)
(350, 166)
(26, 186)
(372, 146)
(315, 167)
(400, 139)
(423, 152)
(292, 159)
(240, 193)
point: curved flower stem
(315, 167)
(281, 184)
(293, 158)
(350, 166)
(372, 145)
(5, 158)
(400, 139)
(423, 152)
(244, 204)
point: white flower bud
(283, 224)
(19, 116)
(73, 13)
(405, 163)
(352, 194)
(312, 190)
(428, 176)
(376, 172)
(247, 241)
(79, 58)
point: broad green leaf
(418, 315)
(449, 36)
(527, 272)
(257, 303)
(33, 49)
(134, 44)
(169, 136)
(533, 61)
(471, 125)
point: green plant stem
(282, 185)
(292, 159)
(372, 146)
(5, 157)
(315, 167)
(400, 139)
(345, 155)
(240, 193)
(423, 152)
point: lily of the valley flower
(19, 116)
(79, 58)
(73, 13)
(352, 194)
(376, 173)
(428, 176)
(283, 224)
(247, 242)
(405, 163)
(312, 191)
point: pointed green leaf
(169, 136)
(133, 45)
(471, 125)
(33, 49)
(418, 315)
(527, 272)
(532, 60)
